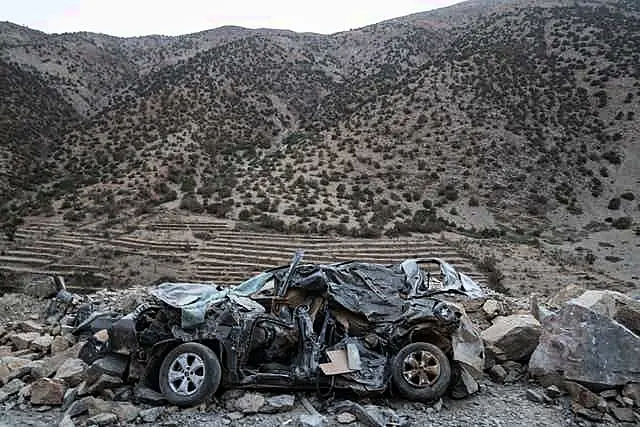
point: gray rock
(515, 336)
(77, 408)
(498, 374)
(491, 308)
(614, 305)
(632, 391)
(23, 340)
(72, 371)
(59, 344)
(609, 394)
(623, 414)
(104, 382)
(146, 395)
(626, 401)
(590, 414)
(12, 367)
(103, 419)
(125, 412)
(40, 369)
(249, 403)
(585, 397)
(13, 386)
(42, 343)
(25, 392)
(69, 397)
(315, 420)
(234, 416)
(47, 391)
(553, 391)
(535, 396)
(566, 294)
(114, 365)
(66, 422)
(152, 414)
(582, 345)
(30, 326)
(345, 418)
(280, 403)
(372, 415)
(466, 386)
(123, 394)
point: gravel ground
(494, 406)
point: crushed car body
(352, 325)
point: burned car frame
(352, 325)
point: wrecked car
(360, 326)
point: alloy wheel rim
(186, 374)
(421, 369)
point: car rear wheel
(189, 374)
(421, 372)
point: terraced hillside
(196, 251)
(199, 248)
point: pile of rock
(584, 344)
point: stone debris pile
(581, 344)
(579, 347)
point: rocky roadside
(43, 381)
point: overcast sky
(142, 17)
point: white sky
(142, 17)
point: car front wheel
(421, 372)
(189, 374)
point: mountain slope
(510, 113)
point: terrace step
(22, 253)
(43, 250)
(75, 267)
(140, 243)
(5, 260)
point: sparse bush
(190, 203)
(612, 157)
(622, 223)
(614, 204)
(244, 215)
(489, 265)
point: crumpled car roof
(374, 291)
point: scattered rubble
(40, 373)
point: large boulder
(585, 343)
(512, 337)
(615, 305)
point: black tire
(189, 374)
(421, 372)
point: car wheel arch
(430, 336)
